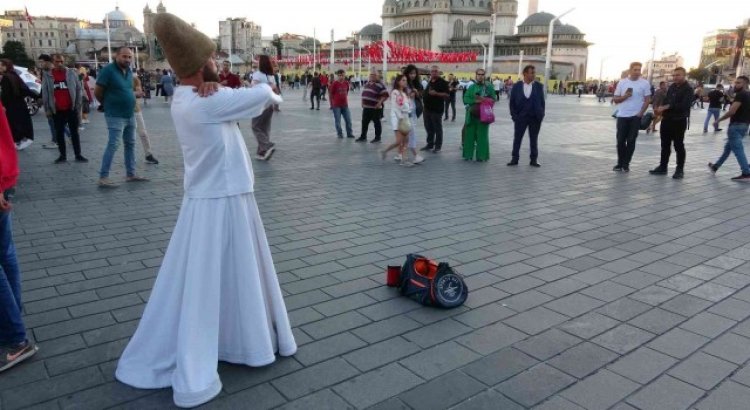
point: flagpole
(109, 44)
(333, 50)
(315, 68)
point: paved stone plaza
(589, 289)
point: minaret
(507, 13)
(160, 8)
(148, 23)
(533, 7)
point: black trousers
(450, 103)
(158, 89)
(314, 95)
(627, 133)
(520, 125)
(433, 124)
(69, 118)
(374, 115)
(673, 133)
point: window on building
(49, 42)
(40, 43)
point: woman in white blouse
(400, 108)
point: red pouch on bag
(393, 276)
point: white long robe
(216, 297)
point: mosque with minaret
(465, 25)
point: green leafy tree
(278, 45)
(15, 51)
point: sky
(621, 32)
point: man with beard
(675, 113)
(62, 95)
(739, 114)
(216, 297)
(227, 78)
(114, 89)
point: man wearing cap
(216, 297)
(339, 91)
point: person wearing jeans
(715, 102)
(14, 346)
(339, 93)
(62, 95)
(115, 89)
(739, 113)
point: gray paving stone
(731, 347)
(545, 345)
(378, 385)
(624, 309)
(593, 276)
(712, 292)
(438, 360)
(436, 333)
(729, 396)
(313, 378)
(381, 353)
(336, 324)
(526, 300)
(386, 329)
(552, 273)
(389, 308)
(703, 371)
(654, 295)
(657, 320)
(678, 343)
(558, 403)
(536, 320)
(582, 360)
(486, 400)
(535, 385)
(442, 392)
(733, 280)
(666, 393)
(574, 305)
(589, 325)
(623, 338)
(686, 305)
(708, 324)
(734, 309)
(491, 338)
(600, 391)
(484, 315)
(261, 397)
(344, 304)
(71, 327)
(484, 296)
(42, 391)
(500, 366)
(324, 399)
(325, 349)
(562, 287)
(637, 279)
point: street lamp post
(491, 48)
(548, 63)
(601, 68)
(484, 56)
(520, 64)
(386, 49)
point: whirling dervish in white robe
(216, 296)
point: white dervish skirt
(216, 298)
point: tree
(15, 51)
(698, 74)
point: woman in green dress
(476, 135)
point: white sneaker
(25, 144)
(418, 159)
(397, 158)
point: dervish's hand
(5, 205)
(207, 89)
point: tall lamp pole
(386, 49)
(491, 47)
(484, 56)
(548, 63)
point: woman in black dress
(13, 93)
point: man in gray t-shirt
(633, 96)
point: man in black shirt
(676, 114)
(715, 100)
(316, 87)
(739, 123)
(434, 104)
(451, 101)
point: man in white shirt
(216, 297)
(498, 84)
(633, 95)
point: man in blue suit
(527, 108)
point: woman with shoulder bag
(402, 126)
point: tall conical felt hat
(186, 48)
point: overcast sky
(620, 30)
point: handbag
(486, 115)
(404, 126)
